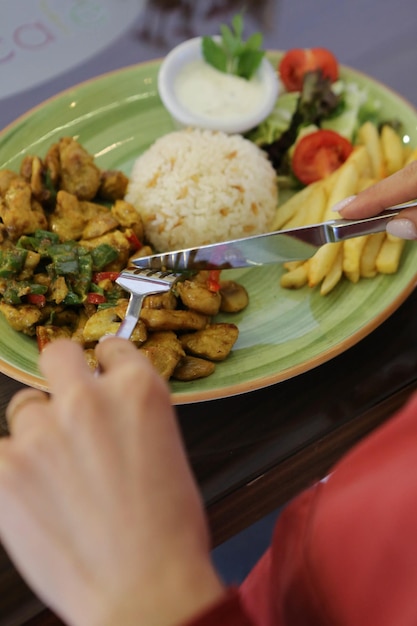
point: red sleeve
(345, 551)
(228, 612)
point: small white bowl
(190, 51)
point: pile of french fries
(376, 155)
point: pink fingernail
(342, 203)
(403, 228)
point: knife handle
(346, 229)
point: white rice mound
(194, 187)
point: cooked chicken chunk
(234, 297)
(164, 319)
(78, 172)
(32, 170)
(107, 322)
(68, 219)
(195, 295)
(128, 217)
(113, 185)
(163, 358)
(6, 177)
(115, 239)
(192, 368)
(23, 318)
(99, 224)
(214, 342)
(20, 212)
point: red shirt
(344, 553)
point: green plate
(282, 333)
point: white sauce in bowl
(205, 91)
(197, 95)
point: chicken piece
(214, 342)
(192, 368)
(234, 297)
(196, 296)
(166, 338)
(32, 170)
(58, 290)
(79, 175)
(115, 239)
(77, 334)
(99, 225)
(107, 322)
(144, 251)
(20, 212)
(6, 177)
(23, 318)
(164, 319)
(164, 350)
(68, 219)
(113, 185)
(46, 334)
(103, 322)
(128, 217)
(139, 334)
(52, 164)
(165, 300)
(163, 358)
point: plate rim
(262, 382)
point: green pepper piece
(103, 255)
(11, 295)
(12, 262)
(72, 299)
(37, 289)
(81, 284)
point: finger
(25, 407)
(395, 189)
(115, 352)
(51, 364)
(404, 225)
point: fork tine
(141, 283)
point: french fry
(345, 185)
(361, 158)
(334, 275)
(392, 149)
(292, 265)
(389, 255)
(316, 205)
(368, 136)
(321, 263)
(296, 277)
(352, 252)
(289, 209)
(369, 254)
(377, 155)
(412, 156)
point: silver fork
(141, 283)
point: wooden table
(252, 453)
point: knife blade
(274, 247)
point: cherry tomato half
(298, 61)
(318, 154)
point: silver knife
(275, 247)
